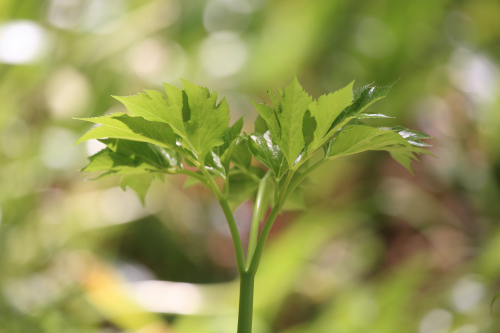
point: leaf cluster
(188, 132)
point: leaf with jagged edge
(192, 113)
(151, 105)
(294, 103)
(157, 156)
(358, 138)
(268, 118)
(123, 126)
(140, 183)
(267, 152)
(208, 121)
(363, 98)
(404, 155)
(125, 157)
(322, 113)
(412, 136)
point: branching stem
(235, 235)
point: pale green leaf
(151, 105)
(324, 111)
(294, 103)
(207, 122)
(139, 183)
(122, 126)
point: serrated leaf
(294, 103)
(151, 105)
(267, 152)
(409, 134)
(405, 156)
(179, 109)
(153, 155)
(122, 126)
(106, 160)
(271, 118)
(139, 183)
(359, 138)
(363, 98)
(207, 122)
(324, 111)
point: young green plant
(188, 133)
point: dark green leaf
(267, 152)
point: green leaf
(139, 183)
(412, 136)
(294, 103)
(261, 125)
(208, 122)
(268, 114)
(359, 138)
(213, 163)
(241, 156)
(179, 109)
(151, 105)
(218, 160)
(122, 126)
(153, 155)
(324, 111)
(405, 156)
(363, 98)
(267, 152)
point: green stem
(238, 248)
(254, 265)
(226, 187)
(246, 303)
(257, 212)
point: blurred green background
(376, 251)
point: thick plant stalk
(246, 303)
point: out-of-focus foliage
(377, 250)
